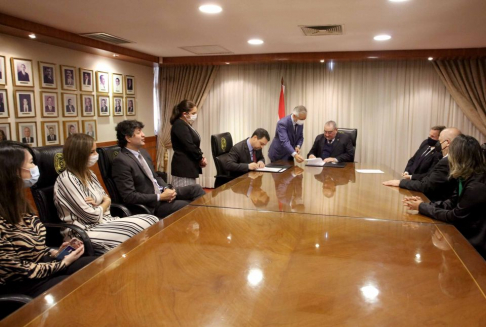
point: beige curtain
(466, 82)
(179, 83)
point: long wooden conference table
(306, 247)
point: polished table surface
(317, 190)
(208, 266)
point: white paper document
(369, 171)
(271, 169)
(315, 162)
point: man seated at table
(135, 178)
(247, 154)
(332, 146)
(436, 185)
(427, 156)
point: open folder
(318, 162)
(272, 169)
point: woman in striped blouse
(27, 265)
(81, 200)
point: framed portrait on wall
(89, 128)
(70, 127)
(88, 105)
(86, 80)
(102, 82)
(51, 132)
(103, 105)
(4, 108)
(3, 71)
(22, 72)
(24, 104)
(117, 83)
(118, 106)
(131, 106)
(27, 133)
(68, 78)
(5, 133)
(130, 85)
(49, 107)
(69, 105)
(47, 75)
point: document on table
(369, 171)
(271, 169)
(314, 162)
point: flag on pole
(281, 102)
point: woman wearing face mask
(188, 158)
(81, 200)
(28, 266)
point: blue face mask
(35, 174)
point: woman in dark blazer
(466, 209)
(188, 158)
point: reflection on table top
(230, 267)
(317, 190)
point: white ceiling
(160, 27)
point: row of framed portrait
(51, 131)
(25, 105)
(23, 76)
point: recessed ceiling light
(32, 36)
(382, 37)
(210, 9)
(397, 0)
(430, 58)
(255, 41)
(115, 55)
(372, 57)
(322, 60)
(227, 63)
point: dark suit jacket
(466, 212)
(426, 163)
(286, 139)
(342, 147)
(436, 185)
(70, 108)
(48, 80)
(53, 109)
(133, 184)
(24, 140)
(51, 137)
(23, 77)
(239, 158)
(187, 153)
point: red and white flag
(281, 102)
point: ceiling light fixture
(210, 9)
(397, 0)
(227, 63)
(255, 41)
(382, 37)
(323, 60)
(32, 36)
(115, 55)
(430, 58)
(372, 57)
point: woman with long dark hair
(81, 200)
(188, 158)
(466, 209)
(28, 266)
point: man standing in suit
(436, 184)
(247, 154)
(51, 137)
(70, 108)
(135, 178)
(22, 75)
(49, 107)
(289, 136)
(426, 156)
(332, 146)
(27, 138)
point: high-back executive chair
(353, 132)
(221, 145)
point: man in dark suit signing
(436, 184)
(135, 178)
(289, 136)
(247, 154)
(332, 146)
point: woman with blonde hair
(81, 200)
(466, 209)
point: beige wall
(37, 51)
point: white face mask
(192, 118)
(299, 122)
(93, 159)
(35, 174)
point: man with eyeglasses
(332, 146)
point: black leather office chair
(353, 132)
(221, 145)
(105, 162)
(50, 161)
(11, 302)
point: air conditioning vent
(105, 37)
(207, 50)
(321, 30)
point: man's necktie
(253, 154)
(148, 172)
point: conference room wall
(392, 103)
(36, 51)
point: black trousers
(35, 287)
(185, 195)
